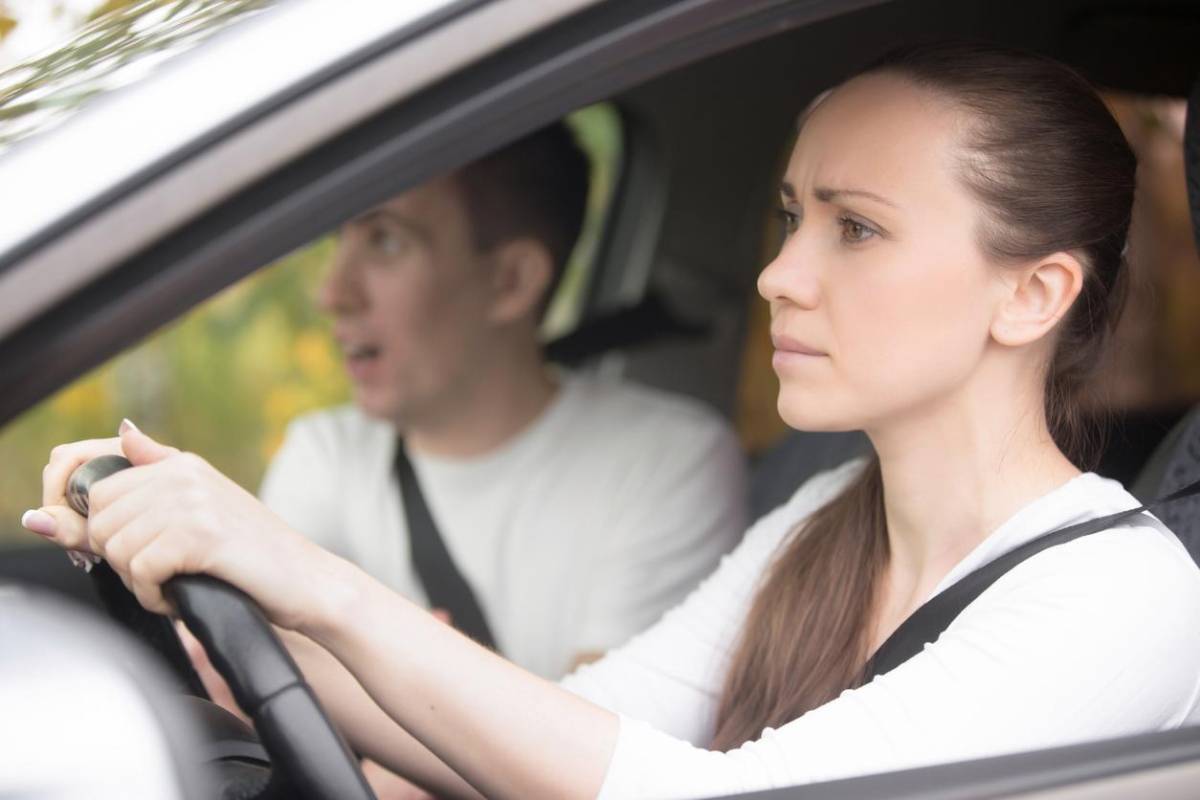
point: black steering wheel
(309, 758)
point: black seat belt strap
(928, 622)
(444, 585)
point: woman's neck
(953, 474)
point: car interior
(705, 114)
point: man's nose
(341, 291)
(791, 277)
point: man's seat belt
(444, 585)
(929, 621)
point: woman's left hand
(173, 513)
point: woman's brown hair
(1053, 172)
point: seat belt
(444, 585)
(929, 621)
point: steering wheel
(307, 753)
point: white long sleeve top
(1087, 640)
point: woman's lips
(789, 345)
(791, 352)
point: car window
(226, 379)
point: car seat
(781, 470)
(1176, 462)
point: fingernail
(126, 425)
(39, 522)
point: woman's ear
(521, 274)
(1035, 298)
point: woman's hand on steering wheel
(173, 513)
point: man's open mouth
(360, 353)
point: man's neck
(500, 403)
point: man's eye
(853, 231)
(385, 242)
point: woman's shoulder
(1131, 587)
(1101, 627)
(1139, 540)
(1137, 562)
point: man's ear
(1035, 298)
(521, 273)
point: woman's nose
(790, 278)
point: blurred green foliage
(225, 380)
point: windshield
(118, 47)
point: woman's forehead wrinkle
(827, 154)
(878, 137)
(865, 139)
(797, 179)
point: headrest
(1175, 464)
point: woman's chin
(816, 417)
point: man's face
(409, 295)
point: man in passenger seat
(576, 510)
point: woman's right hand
(173, 513)
(56, 520)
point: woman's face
(880, 297)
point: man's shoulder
(339, 429)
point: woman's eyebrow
(828, 195)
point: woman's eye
(853, 231)
(790, 220)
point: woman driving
(956, 222)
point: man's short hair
(536, 187)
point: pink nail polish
(39, 522)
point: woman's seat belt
(928, 622)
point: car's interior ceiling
(723, 124)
